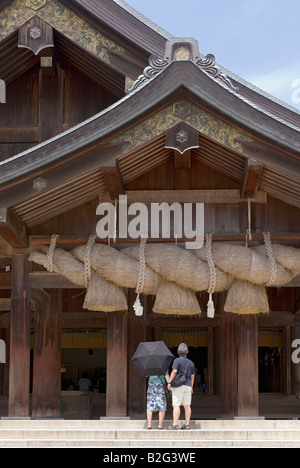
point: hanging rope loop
(271, 258)
(141, 277)
(212, 275)
(48, 264)
(87, 260)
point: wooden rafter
(113, 179)
(252, 175)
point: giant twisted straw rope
(214, 268)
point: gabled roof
(139, 38)
(221, 116)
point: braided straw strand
(271, 258)
(48, 264)
(212, 275)
(87, 260)
(141, 277)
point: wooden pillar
(136, 334)
(46, 394)
(211, 360)
(19, 373)
(228, 365)
(248, 365)
(116, 367)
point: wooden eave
(78, 154)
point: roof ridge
(143, 19)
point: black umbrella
(152, 358)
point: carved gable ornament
(35, 4)
(182, 137)
(36, 35)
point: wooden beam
(82, 239)
(221, 197)
(252, 175)
(12, 228)
(24, 134)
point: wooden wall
(28, 118)
(274, 216)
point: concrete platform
(133, 433)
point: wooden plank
(19, 372)
(223, 197)
(12, 228)
(116, 367)
(24, 134)
(44, 279)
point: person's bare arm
(172, 376)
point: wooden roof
(107, 136)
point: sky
(258, 40)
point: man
(182, 396)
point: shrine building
(146, 194)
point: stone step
(129, 434)
(148, 443)
(132, 433)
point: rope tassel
(210, 307)
(137, 306)
(212, 276)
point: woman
(156, 399)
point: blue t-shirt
(180, 364)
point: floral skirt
(156, 398)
